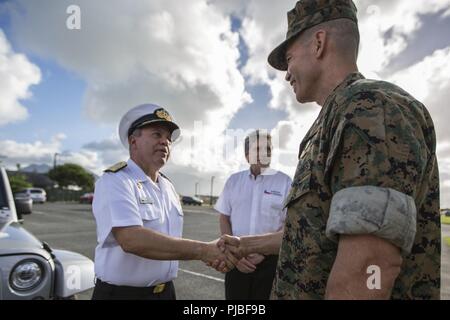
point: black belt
(159, 288)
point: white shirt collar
(140, 175)
(136, 171)
(264, 172)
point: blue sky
(54, 108)
(255, 114)
(55, 105)
(206, 65)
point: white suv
(37, 194)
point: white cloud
(400, 19)
(13, 152)
(42, 152)
(184, 57)
(17, 74)
(107, 152)
(429, 81)
(265, 25)
(127, 57)
(85, 158)
(386, 29)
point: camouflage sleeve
(374, 148)
(383, 212)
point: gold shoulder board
(117, 167)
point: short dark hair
(254, 137)
(344, 32)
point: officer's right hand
(223, 244)
(233, 245)
(214, 257)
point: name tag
(273, 192)
(145, 200)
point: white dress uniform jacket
(129, 197)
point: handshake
(244, 253)
(228, 252)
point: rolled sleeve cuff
(219, 211)
(383, 212)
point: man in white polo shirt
(251, 203)
(139, 216)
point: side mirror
(24, 205)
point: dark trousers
(106, 291)
(251, 286)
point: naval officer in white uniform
(139, 216)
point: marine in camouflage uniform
(375, 136)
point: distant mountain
(38, 168)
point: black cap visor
(149, 119)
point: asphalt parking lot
(71, 226)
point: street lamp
(212, 183)
(196, 188)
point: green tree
(19, 182)
(72, 174)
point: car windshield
(36, 191)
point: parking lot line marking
(200, 211)
(202, 275)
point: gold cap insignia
(162, 114)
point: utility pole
(212, 183)
(54, 159)
(196, 188)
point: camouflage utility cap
(306, 14)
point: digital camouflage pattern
(363, 210)
(368, 133)
(306, 14)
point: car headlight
(26, 275)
